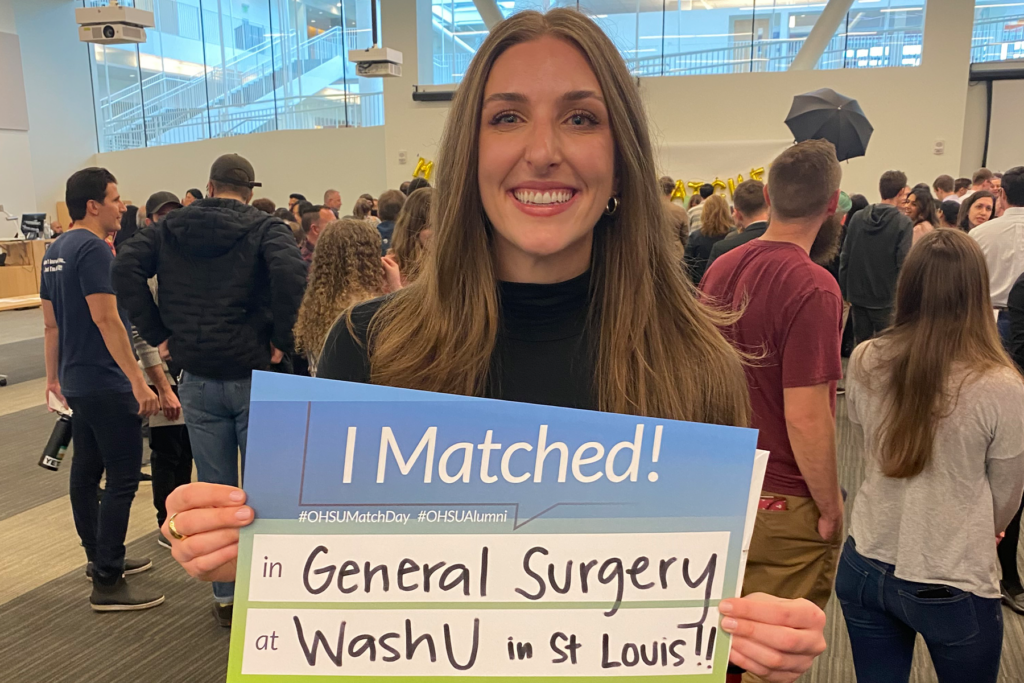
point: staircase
(249, 93)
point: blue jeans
(1003, 325)
(964, 633)
(217, 415)
(107, 434)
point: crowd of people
(551, 266)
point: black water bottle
(57, 446)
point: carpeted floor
(22, 437)
(22, 360)
(50, 634)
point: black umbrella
(826, 115)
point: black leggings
(1007, 551)
(171, 462)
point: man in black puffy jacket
(231, 281)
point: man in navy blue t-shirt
(90, 367)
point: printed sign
(406, 535)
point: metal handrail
(292, 113)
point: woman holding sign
(553, 280)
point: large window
(216, 68)
(685, 37)
(998, 31)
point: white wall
(975, 118)
(7, 24)
(62, 123)
(349, 160)
(1006, 138)
(412, 127)
(17, 191)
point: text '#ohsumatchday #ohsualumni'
(407, 535)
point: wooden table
(19, 276)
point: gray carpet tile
(23, 436)
(21, 324)
(50, 634)
(22, 361)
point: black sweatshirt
(877, 241)
(544, 352)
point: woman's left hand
(774, 638)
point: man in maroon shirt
(790, 327)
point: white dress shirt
(1002, 241)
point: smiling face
(546, 160)
(901, 200)
(912, 210)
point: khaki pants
(788, 559)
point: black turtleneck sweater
(544, 352)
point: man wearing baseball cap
(160, 204)
(231, 281)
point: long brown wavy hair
(346, 269)
(659, 351)
(943, 318)
(715, 219)
(405, 241)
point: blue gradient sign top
(324, 444)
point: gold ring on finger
(173, 530)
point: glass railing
(348, 111)
(714, 37)
(997, 38)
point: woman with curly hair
(412, 234)
(346, 270)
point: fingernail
(725, 607)
(237, 496)
(242, 514)
(729, 624)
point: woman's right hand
(392, 274)
(208, 516)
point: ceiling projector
(376, 62)
(113, 24)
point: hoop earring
(613, 206)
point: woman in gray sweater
(942, 409)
